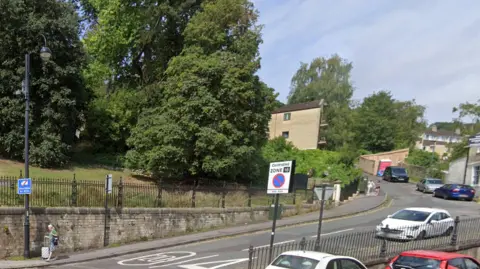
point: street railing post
(249, 203)
(120, 194)
(194, 190)
(454, 237)
(383, 248)
(224, 193)
(250, 257)
(303, 243)
(74, 192)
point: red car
(430, 259)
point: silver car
(429, 184)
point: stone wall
(83, 228)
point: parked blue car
(455, 191)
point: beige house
(301, 124)
(438, 141)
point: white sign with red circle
(279, 177)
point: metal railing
(47, 192)
(381, 242)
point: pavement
(227, 248)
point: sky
(424, 50)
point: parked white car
(314, 260)
(416, 223)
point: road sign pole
(320, 218)
(26, 228)
(274, 224)
(466, 166)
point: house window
(476, 175)
(285, 134)
(286, 116)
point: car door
(471, 264)
(421, 185)
(447, 222)
(434, 225)
(344, 263)
(387, 173)
(442, 190)
(458, 263)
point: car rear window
(468, 187)
(294, 262)
(434, 181)
(409, 262)
(399, 170)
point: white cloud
(423, 50)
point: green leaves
(57, 91)
(215, 113)
(384, 124)
(328, 79)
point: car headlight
(414, 228)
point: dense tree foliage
(328, 79)
(215, 115)
(422, 158)
(315, 162)
(57, 92)
(383, 123)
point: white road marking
(224, 263)
(336, 232)
(279, 243)
(158, 266)
(157, 258)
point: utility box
(279, 212)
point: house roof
(302, 106)
(441, 133)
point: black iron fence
(47, 192)
(381, 242)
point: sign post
(279, 182)
(325, 194)
(473, 141)
(108, 189)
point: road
(232, 253)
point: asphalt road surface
(232, 253)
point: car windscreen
(434, 181)
(295, 262)
(399, 171)
(408, 262)
(411, 215)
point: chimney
(434, 128)
(457, 131)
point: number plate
(463, 195)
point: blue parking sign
(24, 186)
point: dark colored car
(455, 191)
(395, 174)
(430, 259)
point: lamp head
(45, 53)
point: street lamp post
(45, 54)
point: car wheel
(434, 194)
(470, 199)
(406, 181)
(448, 232)
(445, 197)
(421, 235)
(418, 189)
(424, 190)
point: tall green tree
(470, 111)
(58, 94)
(410, 123)
(375, 123)
(328, 79)
(215, 116)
